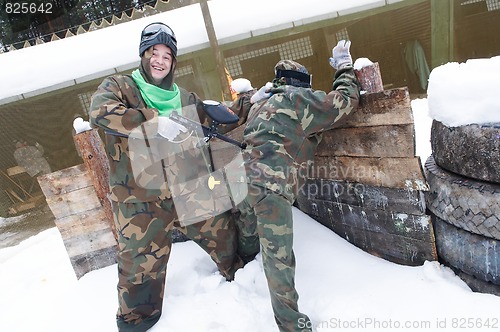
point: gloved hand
(340, 55)
(169, 129)
(262, 93)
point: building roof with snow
(62, 63)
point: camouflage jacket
(282, 132)
(118, 108)
(241, 106)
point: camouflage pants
(144, 248)
(266, 217)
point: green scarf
(165, 101)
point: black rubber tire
(475, 255)
(468, 204)
(477, 285)
(472, 150)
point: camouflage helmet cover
(290, 65)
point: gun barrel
(207, 132)
(230, 140)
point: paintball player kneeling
(282, 132)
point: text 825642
(28, 8)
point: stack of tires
(464, 200)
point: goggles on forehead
(156, 28)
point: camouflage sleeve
(191, 98)
(319, 111)
(347, 85)
(241, 107)
(116, 106)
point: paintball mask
(293, 73)
(157, 33)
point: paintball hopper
(219, 112)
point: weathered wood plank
(94, 260)
(26, 205)
(20, 207)
(15, 170)
(379, 221)
(73, 202)
(369, 78)
(14, 194)
(80, 218)
(405, 173)
(398, 237)
(390, 131)
(396, 249)
(392, 141)
(64, 181)
(389, 107)
(363, 195)
(89, 243)
(83, 223)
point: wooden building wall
(477, 31)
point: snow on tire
(471, 150)
(475, 255)
(468, 204)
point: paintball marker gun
(219, 113)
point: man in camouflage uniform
(282, 133)
(145, 215)
(31, 159)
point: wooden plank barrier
(77, 198)
(366, 183)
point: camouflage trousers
(144, 244)
(266, 220)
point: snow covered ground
(340, 286)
